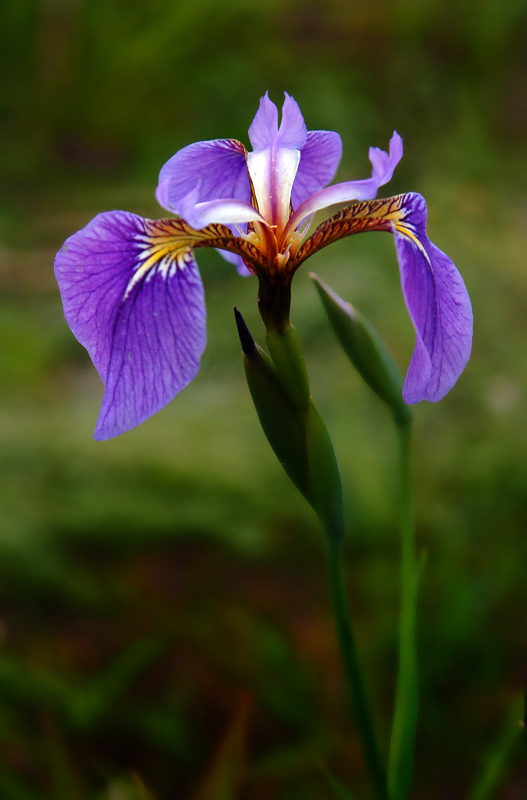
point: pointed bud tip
(365, 349)
(326, 292)
(246, 340)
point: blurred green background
(164, 610)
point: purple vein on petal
(136, 303)
(438, 304)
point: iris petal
(135, 301)
(292, 132)
(433, 289)
(319, 159)
(383, 166)
(264, 127)
(212, 170)
(439, 307)
(218, 167)
(275, 158)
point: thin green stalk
(352, 668)
(402, 744)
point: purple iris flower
(133, 295)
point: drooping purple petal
(383, 166)
(135, 301)
(433, 289)
(216, 169)
(319, 159)
(438, 304)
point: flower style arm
(383, 164)
(434, 291)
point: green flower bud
(291, 423)
(286, 352)
(282, 424)
(366, 350)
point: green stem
(350, 661)
(402, 744)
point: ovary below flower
(132, 292)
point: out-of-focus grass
(150, 583)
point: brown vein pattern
(369, 215)
(177, 235)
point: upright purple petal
(320, 150)
(136, 303)
(264, 127)
(215, 170)
(438, 304)
(274, 161)
(292, 132)
(205, 171)
(319, 159)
